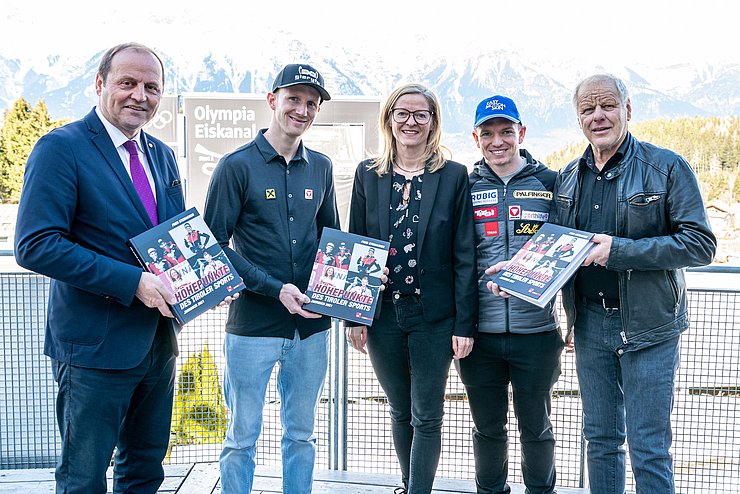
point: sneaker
(399, 490)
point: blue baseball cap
(496, 107)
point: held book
(182, 252)
(545, 263)
(345, 280)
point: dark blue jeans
(98, 410)
(531, 363)
(411, 359)
(627, 393)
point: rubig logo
(485, 213)
(485, 198)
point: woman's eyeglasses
(401, 115)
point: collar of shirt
(118, 139)
(268, 152)
(587, 159)
(117, 136)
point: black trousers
(531, 363)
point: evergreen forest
(711, 145)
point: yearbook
(545, 263)
(345, 280)
(182, 252)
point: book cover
(182, 252)
(545, 263)
(345, 280)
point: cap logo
(495, 105)
(306, 74)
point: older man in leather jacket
(627, 305)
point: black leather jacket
(662, 227)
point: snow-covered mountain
(542, 89)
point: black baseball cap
(300, 73)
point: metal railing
(353, 425)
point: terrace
(355, 452)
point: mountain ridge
(541, 88)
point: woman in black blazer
(412, 196)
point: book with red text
(345, 280)
(545, 263)
(182, 252)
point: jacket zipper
(674, 289)
(508, 254)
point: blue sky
(656, 32)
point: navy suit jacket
(446, 241)
(78, 209)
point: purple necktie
(141, 182)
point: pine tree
(23, 125)
(710, 144)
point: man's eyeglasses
(401, 115)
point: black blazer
(446, 245)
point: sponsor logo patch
(270, 194)
(515, 212)
(527, 228)
(486, 213)
(308, 194)
(485, 198)
(535, 215)
(533, 194)
(491, 228)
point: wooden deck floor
(203, 478)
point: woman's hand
(461, 346)
(357, 337)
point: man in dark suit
(109, 331)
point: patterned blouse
(404, 225)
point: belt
(609, 304)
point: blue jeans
(99, 410)
(626, 394)
(531, 363)
(300, 381)
(411, 359)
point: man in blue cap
(274, 192)
(518, 343)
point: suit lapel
(428, 196)
(102, 141)
(384, 204)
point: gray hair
(618, 85)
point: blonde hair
(435, 155)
